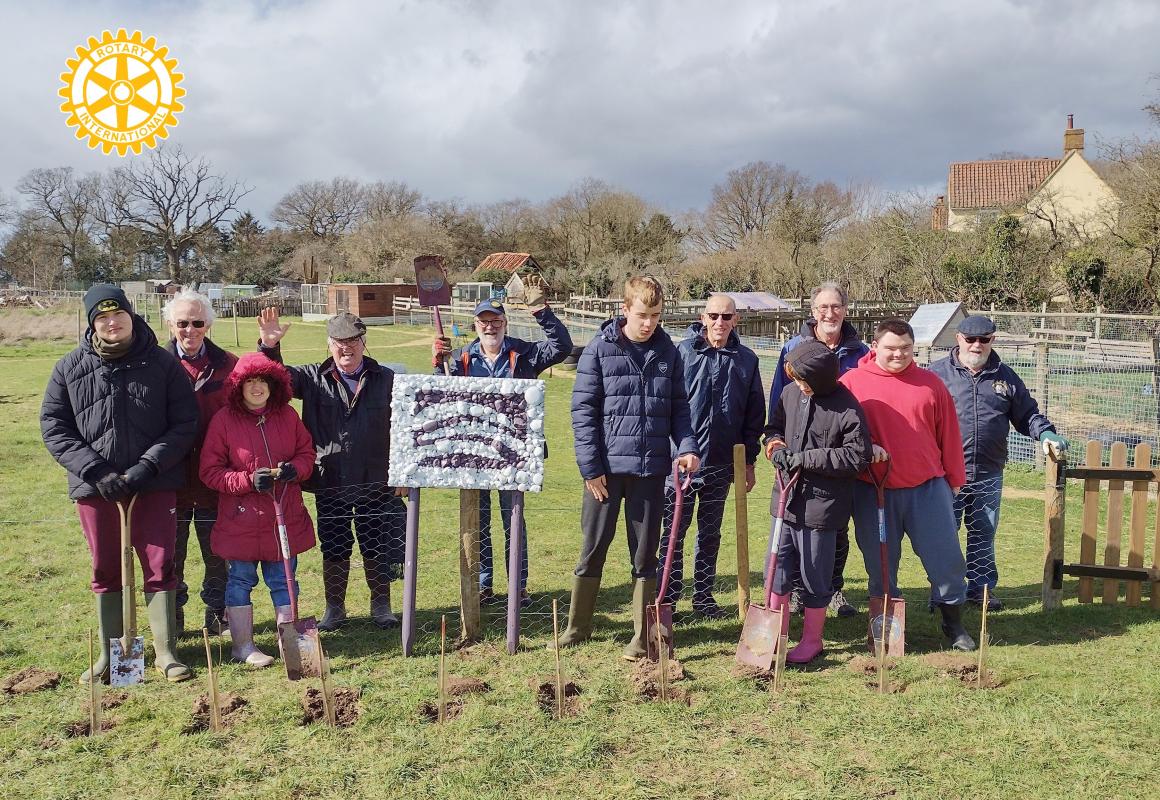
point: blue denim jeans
(978, 506)
(486, 560)
(243, 578)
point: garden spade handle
(128, 580)
(880, 488)
(783, 489)
(679, 503)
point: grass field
(1074, 714)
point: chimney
(938, 214)
(1072, 137)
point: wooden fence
(1141, 477)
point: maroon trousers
(153, 532)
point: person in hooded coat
(119, 415)
(257, 452)
(818, 428)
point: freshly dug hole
(965, 668)
(228, 703)
(429, 712)
(645, 677)
(868, 665)
(81, 727)
(462, 687)
(545, 692)
(346, 708)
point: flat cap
(345, 325)
(977, 325)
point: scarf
(108, 350)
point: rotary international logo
(121, 92)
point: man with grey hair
(189, 315)
(827, 324)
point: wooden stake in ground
(556, 648)
(779, 660)
(327, 690)
(94, 693)
(982, 670)
(215, 714)
(883, 638)
(663, 658)
(442, 673)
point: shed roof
(508, 262)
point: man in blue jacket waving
(629, 409)
(989, 399)
(727, 407)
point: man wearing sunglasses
(190, 316)
(727, 406)
(494, 354)
(827, 324)
(989, 398)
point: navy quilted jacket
(99, 415)
(624, 417)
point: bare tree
(175, 198)
(65, 204)
(392, 200)
(322, 209)
(745, 204)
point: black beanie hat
(105, 297)
(815, 364)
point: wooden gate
(1138, 479)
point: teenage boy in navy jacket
(629, 407)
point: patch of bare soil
(429, 712)
(28, 680)
(111, 700)
(965, 668)
(868, 666)
(346, 707)
(749, 672)
(645, 681)
(462, 687)
(81, 727)
(545, 692)
(228, 703)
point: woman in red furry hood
(256, 450)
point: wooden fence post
(1042, 356)
(1138, 521)
(469, 564)
(1053, 533)
(741, 501)
(1091, 519)
(1115, 523)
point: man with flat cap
(346, 407)
(494, 354)
(989, 398)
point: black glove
(112, 487)
(138, 475)
(263, 479)
(786, 461)
(286, 472)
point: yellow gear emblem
(121, 92)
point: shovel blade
(300, 647)
(666, 629)
(759, 637)
(895, 621)
(127, 668)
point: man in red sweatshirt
(912, 422)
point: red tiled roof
(508, 262)
(987, 184)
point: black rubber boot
(952, 627)
(335, 575)
(110, 625)
(580, 610)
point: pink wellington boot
(241, 619)
(810, 646)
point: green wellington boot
(644, 592)
(580, 609)
(162, 610)
(110, 625)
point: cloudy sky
(492, 100)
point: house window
(368, 295)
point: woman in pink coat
(256, 450)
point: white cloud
(489, 100)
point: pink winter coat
(246, 529)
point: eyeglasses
(835, 307)
(351, 342)
(185, 323)
(490, 323)
(978, 339)
(713, 315)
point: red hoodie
(911, 416)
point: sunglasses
(978, 339)
(713, 315)
(185, 323)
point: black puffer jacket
(352, 435)
(829, 429)
(102, 415)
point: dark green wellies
(644, 593)
(162, 610)
(580, 609)
(110, 625)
